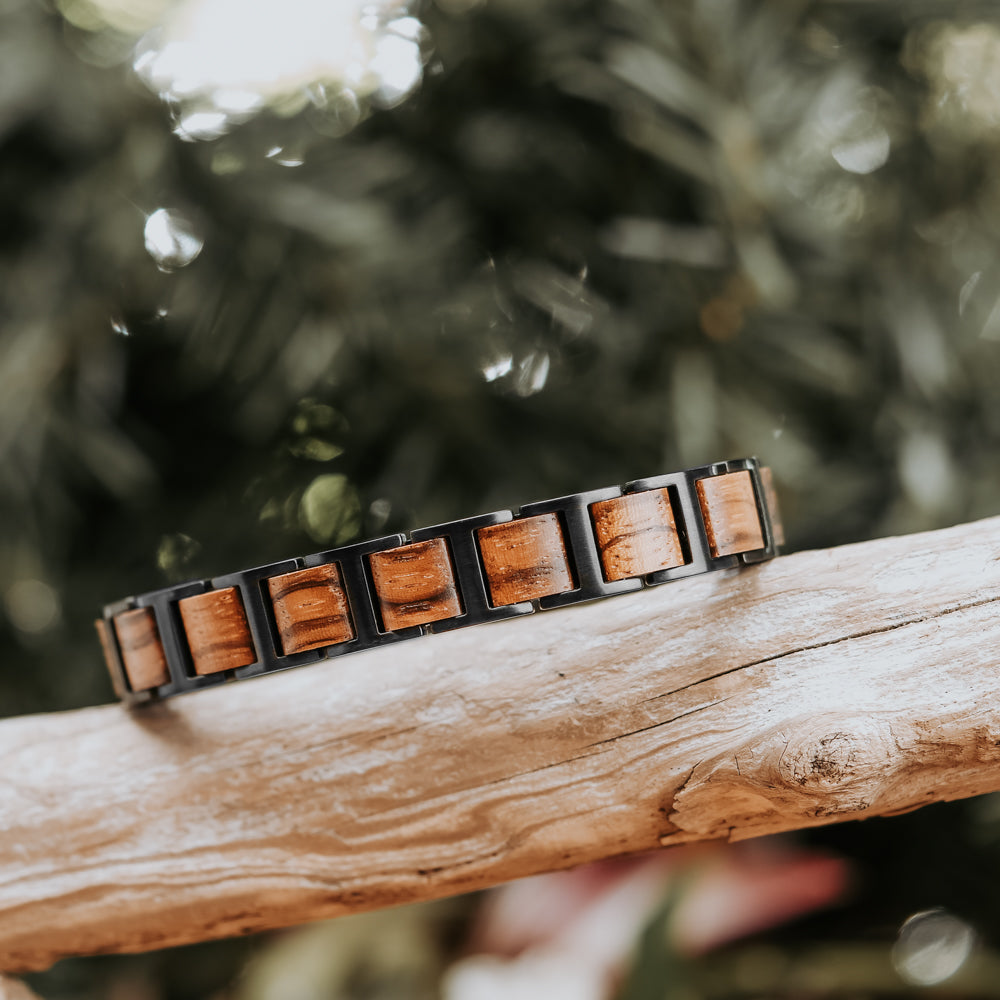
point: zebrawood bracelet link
(479, 569)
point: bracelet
(479, 569)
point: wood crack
(656, 725)
(257, 806)
(810, 647)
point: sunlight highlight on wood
(820, 687)
(13, 989)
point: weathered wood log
(12, 989)
(821, 687)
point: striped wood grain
(730, 512)
(107, 640)
(525, 559)
(771, 497)
(142, 652)
(415, 584)
(310, 608)
(217, 631)
(636, 534)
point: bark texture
(821, 687)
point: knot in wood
(842, 767)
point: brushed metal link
(470, 576)
(764, 512)
(356, 578)
(470, 579)
(581, 547)
(176, 650)
(691, 527)
(251, 584)
(112, 649)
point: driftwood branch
(11, 989)
(824, 686)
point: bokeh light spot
(330, 510)
(221, 61)
(497, 367)
(32, 606)
(532, 373)
(932, 946)
(171, 240)
(865, 153)
(118, 326)
(176, 552)
(201, 125)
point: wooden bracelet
(479, 569)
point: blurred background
(278, 275)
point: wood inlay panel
(107, 648)
(525, 559)
(217, 631)
(730, 512)
(310, 608)
(771, 495)
(415, 584)
(142, 651)
(636, 534)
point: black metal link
(581, 547)
(764, 512)
(252, 584)
(175, 644)
(115, 663)
(683, 491)
(470, 580)
(356, 577)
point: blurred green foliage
(633, 218)
(606, 238)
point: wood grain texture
(13, 989)
(217, 631)
(106, 638)
(415, 584)
(824, 686)
(142, 651)
(636, 534)
(774, 508)
(525, 559)
(730, 513)
(310, 608)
